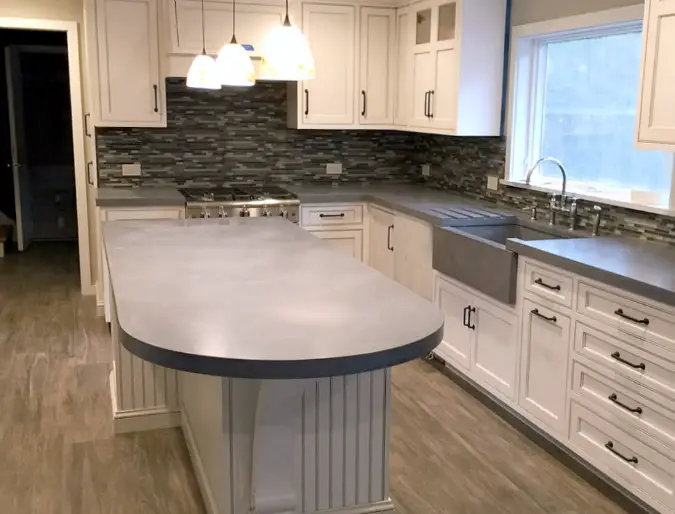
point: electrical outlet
(334, 168)
(131, 170)
(493, 182)
(426, 170)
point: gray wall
(530, 11)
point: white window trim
(525, 76)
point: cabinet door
(413, 241)
(545, 347)
(457, 343)
(130, 87)
(444, 95)
(404, 46)
(376, 69)
(347, 241)
(656, 123)
(381, 241)
(329, 98)
(495, 353)
(422, 84)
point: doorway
(43, 182)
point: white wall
(529, 11)
(66, 10)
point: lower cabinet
(347, 241)
(381, 241)
(545, 355)
(480, 336)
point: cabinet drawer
(142, 214)
(549, 284)
(627, 405)
(332, 214)
(643, 467)
(626, 359)
(626, 315)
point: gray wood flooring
(450, 453)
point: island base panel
(289, 446)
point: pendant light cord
(234, 14)
(203, 31)
(287, 21)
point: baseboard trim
(198, 466)
(596, 478)
(140, 420)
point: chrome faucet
(562, 170)
(556, 206)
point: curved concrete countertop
(139, 197)
(258, 298)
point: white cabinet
(347, 241)
(404, 39)
(656, 111)
(545, 349)
(127, 85)
(457, 58)
(381, 241)
(328, 101)
(376, 65)
(455, 304)
(412, 241)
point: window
(574, 98)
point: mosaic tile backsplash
(240, 136)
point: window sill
(653, 209)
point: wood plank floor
(450, 454)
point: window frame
(524, 129)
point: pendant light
(234, 64)
(203, 72)
(286, 55)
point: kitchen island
(273, 350)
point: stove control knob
(245, 213)
(221, 212)
(205, 213)
(283, 212)
(266, 211)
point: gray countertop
(139, 197)
(258, 298)
(640, 267)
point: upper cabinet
(402, 82)
(127, 87)
(456, 67)
(656, 116)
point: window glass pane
(446, 21)
(590, 100)
(423, 30)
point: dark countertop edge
(276, 370)
(649, 291)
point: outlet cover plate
(492, 182)
(334, 168)
(131, 170)
(426, 170)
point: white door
(23, 193)
(495, 353)
(545, 344)
(443, 110)
(377, 65)
(131, 92)
(656, 123)
(381, 242)
(404, 90)
(347, 241)
(413, 255)
(458, 337)
(329, 98)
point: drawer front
(643, 467)
(549, 284)
(640, 320)
(625, 359)
(142, 214)
(624, 403)
(331, 214)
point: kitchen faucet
(554, 206)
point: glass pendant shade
(203, 73)
(286, 55)
(234, 65)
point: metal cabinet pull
(617, 356)
(426, 104)
(390, 247)
(155, 88)
(465, 322)
(306, 102)
(620, 313)
(472, 326)
(552, 319)
(341, 215)
(431, 96)
(363, 112)
(615, 399)
(541, 283)
(86, 125)
(610, 447)
(89, 176)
